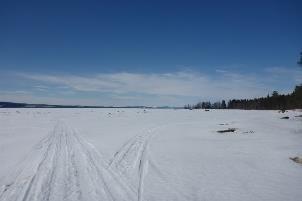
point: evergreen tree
(223, 104)
(275, 94)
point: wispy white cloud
(281, 72)
(168, 84)
(174, 88)
(5, 92)
(32, 98)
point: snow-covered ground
(152, 155)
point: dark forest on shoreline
(273, 102)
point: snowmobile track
(67, 168)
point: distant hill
(12, 105)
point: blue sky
(147, 52)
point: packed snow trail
(132, 160)
(63, 166)
(68, 168)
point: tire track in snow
(143, 169)
(68, 169)
(65, 167)
(131, 161)
(133, 158)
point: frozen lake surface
(149, 155)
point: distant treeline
(207, 105)
(273, 102)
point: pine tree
(223, 105)
(300, 61)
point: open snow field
(152, 155)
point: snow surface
(149, 155)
